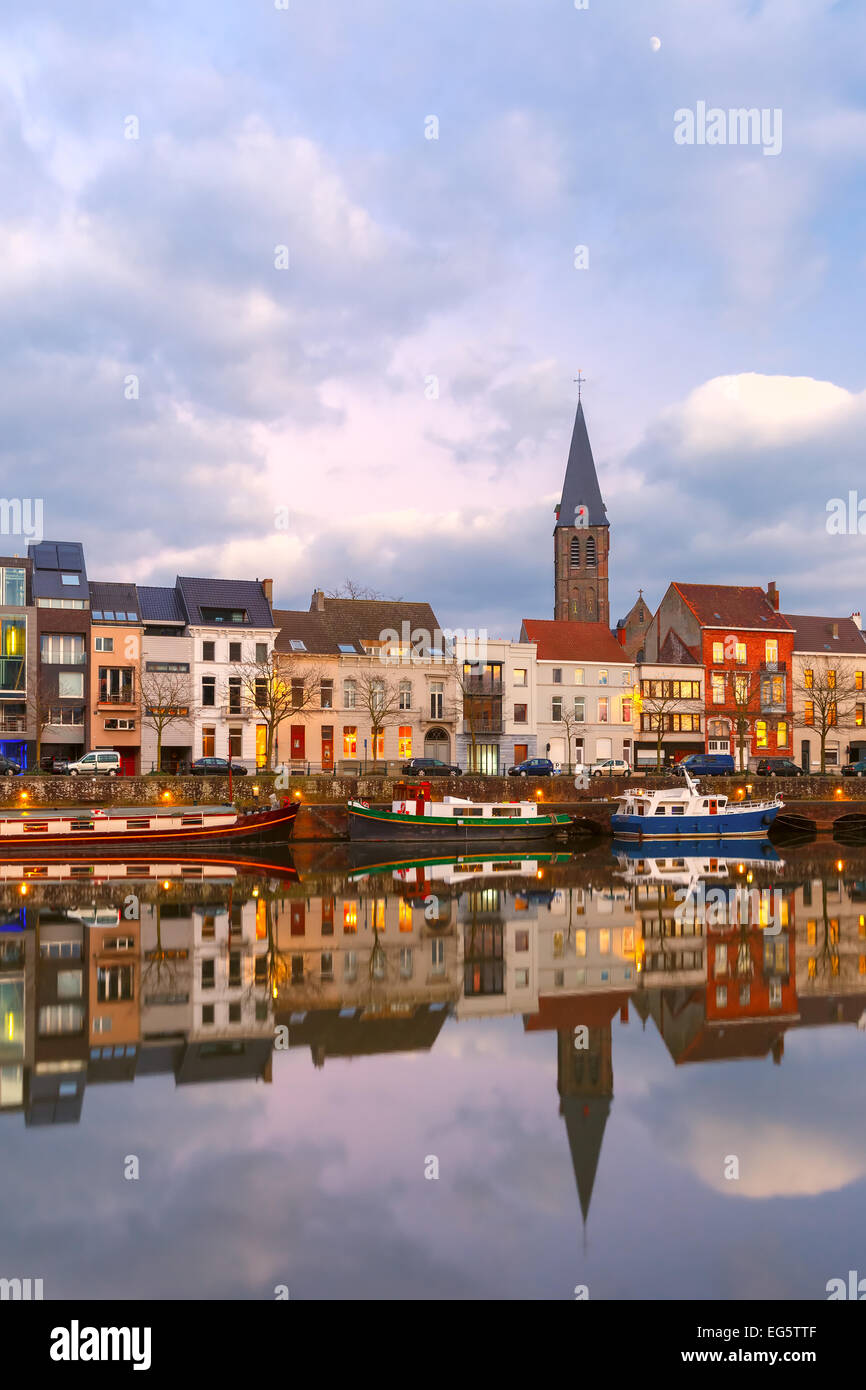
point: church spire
(581, 488)
(581, 537)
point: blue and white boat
(687, 813)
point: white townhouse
(200, 640)
(498, 715)
(584, 688)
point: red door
(297, 741)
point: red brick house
(746, 647)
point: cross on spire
(580, 381)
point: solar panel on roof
(45, 557)
(69, 557)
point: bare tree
(38, 706)
(380, 700)
(350, 588)
(741, 707)
(279, 688)
(165, 698)
(829, 694)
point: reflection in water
(207, 971)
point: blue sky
(718, 324)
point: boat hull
(379, 825)
(736, 825)
(264, 827)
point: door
(327, 747)
(521, 752)
(714, 810)
(297, 741)
(805, 756)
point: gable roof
(160, 604)
(246, 594)
(350, 622)
(580, 486)
(559, 640)
(732, 605)
(816, 635)
(120, 600)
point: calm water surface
(490, 1078)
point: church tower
(581, 537)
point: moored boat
(26, 831)
(415, 817)
(687, 813)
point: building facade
(584, 692)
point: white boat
(687, 813)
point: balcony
(773, 668)
(12, 673)
(483, 726)
(106, 698)
(242, 711)
(13, 723)
(482, 685)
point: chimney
(856, 619)
(773, 595)
(268, 586)
(318, 603)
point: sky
(256, 322)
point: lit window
(771, 651)
(404, 741)
(602, 677)
(718, 653)
(761, 733)
(405, 915)
(578, 675)
(741, 653)
(350, 741)
(350, 917)
(519, 675)
(782, 735)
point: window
(437, 699)
(437, 957)
(782, 735)
(520, 675)
(858, 716)
(721, 996)
(718, 690)
(116, 684)
(208, 740)
(70, 685)
(404, 741)
(809, 712)
(521, 941)
(114, 982)
(740, 656)
(520, 713)
(71, 580)
(14, 587)
(326, 694)
(579, 708)
(236, 738)
(377, 696)
(626, 677)
(261, 653)
(761, 733)
(234, 695)
(208, 974)
(578, 675)
(771, 652)
(182, 666)
(350, 741)
(858, 680)
(103, 644)
(602, 711)
(626, 711)
(602, 677)
(345, 647)
(57, 649)
(207, 651)
(556, 709)
(65, 603)
(556, 675)
(808, 677)
(69, 984)
(222, 615)
(718, 653)
(208, 690)
(66, 714)
(831, 680)
(61, 1018)
(350, 694)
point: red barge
(72, 828)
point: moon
(655, 44)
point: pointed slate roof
(581, 480)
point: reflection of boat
(448, 868)
(107, 869)
(414, 816)
(665, 859)
(675, 813)
(67, 828)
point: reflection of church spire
(585, 1085)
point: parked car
(533, 767)
(102, 762)
(430, 767)
(9, 767)
(857, 769)
(216, 767)
(50, 763)
(706, 765)
(779, 767)
(610, 767)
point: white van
(105, 761)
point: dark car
(705, 765)
(431, 767)
(779, 767)
(857, 769)
(216, 767)
(50, 763)
(9, 768)
(533, 767)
